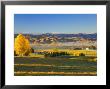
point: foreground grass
(20, 73)
(36, 66)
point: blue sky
(59, 23)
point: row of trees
(55, 54)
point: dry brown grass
(56, 73)
(32, 65)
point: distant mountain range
(62, 35)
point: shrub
(15, 53)
(32, 50)
(81, 54)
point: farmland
(38, 65)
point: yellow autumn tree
(21, 45)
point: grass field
(57, 66)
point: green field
(55, 66)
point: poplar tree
(22, 45)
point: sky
(55, 23)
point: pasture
(55, 66)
